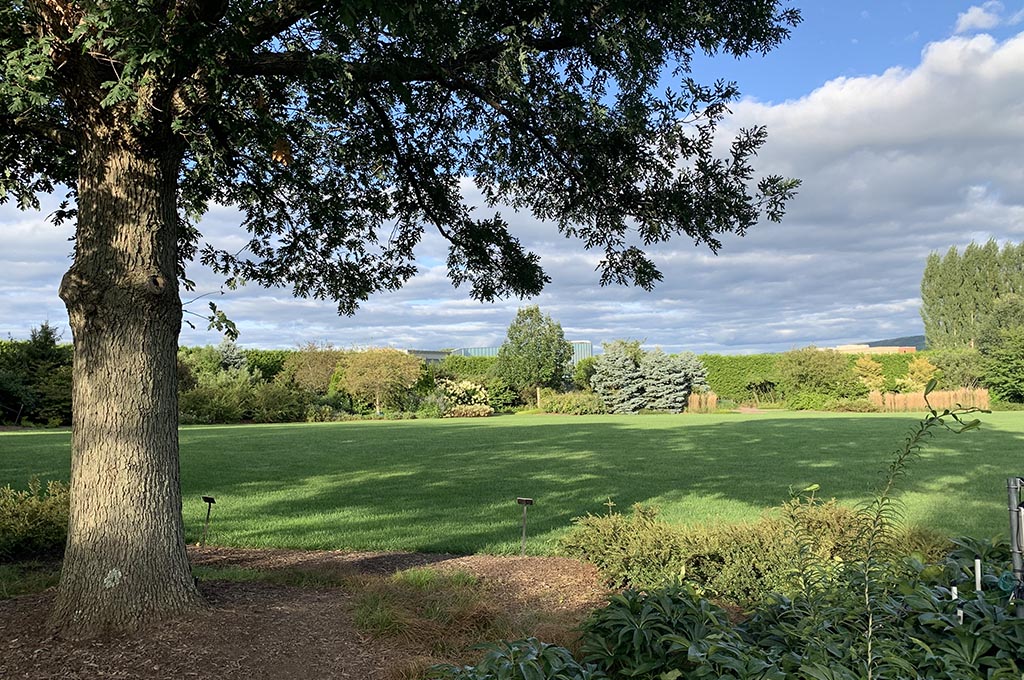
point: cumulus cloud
(982, 17)
(895, 165)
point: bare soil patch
(262, 630)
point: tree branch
(519, 123)
(44, 132)
(274, 17)
(397, 69)
(405, 167)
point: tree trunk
(125, 564)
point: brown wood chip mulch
(261, 630)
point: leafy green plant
(808, 401)
(501, 396)
(571, 403)
(644, 634)
(637, 550)
(469, 411)
(741, 563)
(34, 521)
(528, 659)
(277, 402)
(742, 378)
(815, 371)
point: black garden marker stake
(209, 500)
(524, 502)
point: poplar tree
(959, 291)
(340, 131)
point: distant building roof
(868, 349)
(581, 349)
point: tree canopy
(375, 374)
(535, 353)
(960, 291)
(340, 129)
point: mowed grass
(451, 485)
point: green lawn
(450, 485)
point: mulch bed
(261, 630)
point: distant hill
(906, 341)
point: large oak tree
(340, 130)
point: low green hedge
(742, 564)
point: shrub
(277, 402)
(870, 372)
(475, 369)
(894, 368)
(431, 406)
(808, 401)
(500, 395)
(818, 371)
(34, 522)
(462, 392)
(958, 368)
(637, 550)
(207, 404)
(460, 399)
(572, 403)
(321, 413)
(919, 372)
(738, 563)
(469, 411)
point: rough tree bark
(125, 564)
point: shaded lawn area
(450, 485)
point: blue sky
(843, 38)
(905, 121)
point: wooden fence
(702, 402)
(891, 401)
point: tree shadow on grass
(451, 486)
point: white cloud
(980, 18)
(894, 165)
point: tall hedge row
(755, 378)
(737, 377)
(894, 366)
